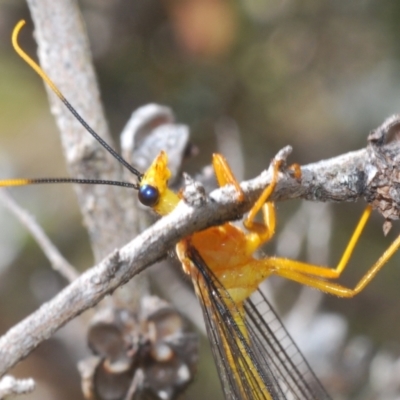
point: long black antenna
(34, 181)
(75, 113)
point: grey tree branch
(109, 212)
(335, 179)
(371, 173)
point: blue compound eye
(148, 195)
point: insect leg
(312, 275)
(260, 233)
(224, 174)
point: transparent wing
(291, 369)
(256, 357)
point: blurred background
(318, 75)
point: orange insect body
(226, 249)
(223, 249)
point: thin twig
(58, 262)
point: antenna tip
(20, 23)
(16, 31)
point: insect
(252, 361)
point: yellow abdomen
(223, 250)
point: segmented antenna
(54, 88)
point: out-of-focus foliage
(318, 75)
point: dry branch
(338, 179)
(58, 262)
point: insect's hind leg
(288, 269)
(333, 273)
(315, 276)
